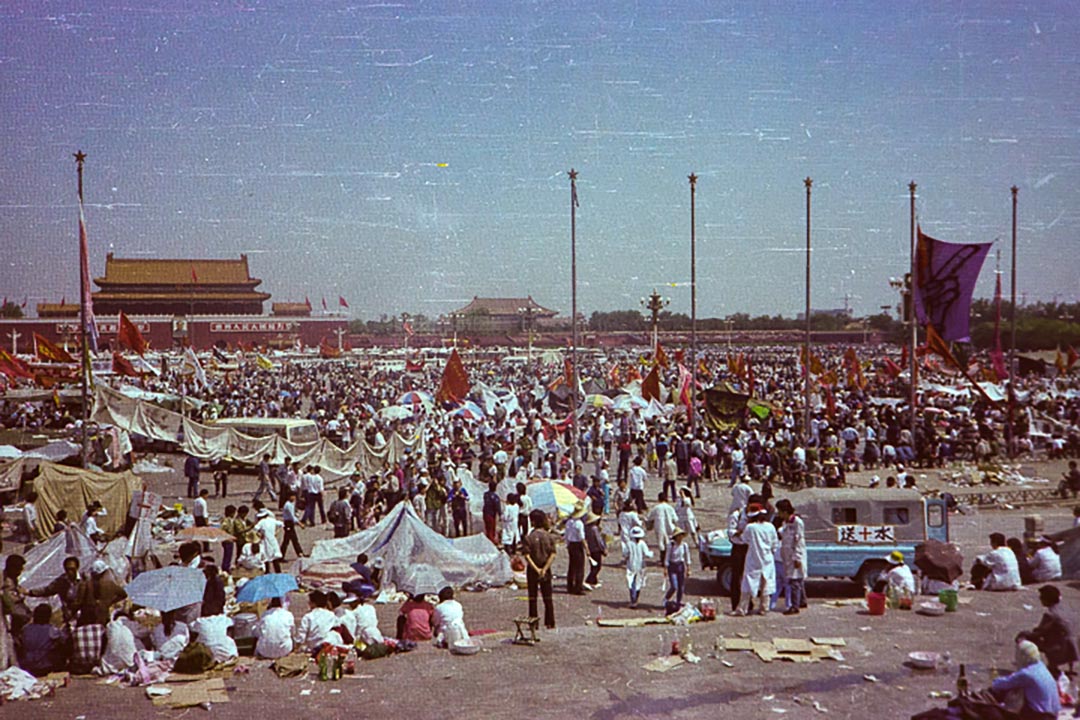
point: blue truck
(849, 532)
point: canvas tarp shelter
(45, 561)
(401, 539)
(73, 489)
(208, 442)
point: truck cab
(849, 532)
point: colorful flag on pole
(650, 386)
(264, 362)
(14, 368)
(455, 380)
(194, 275)
(686, 391)
(341, 302)
(307, 303)
(1071, 358)
(660, 357)
(324, 303)
(130, 337)
(190, 365)
(945, 276)
(84, 273)
(51, 352)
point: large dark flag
(122, 366)
(455, 381)
(724, 407)
(945, 276)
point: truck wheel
(869, 572)
(724, 578)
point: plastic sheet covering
(401, 539)
(73, 489)
(45, 561)
(213, 443)
(11, 475)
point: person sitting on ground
(366, 622)
(97, 594)
(414, 619)
(213, 602)
(364, 586)
(1045, 563)
(65, 587)
(120, 646)
(170, 637)
(1054, 634)
(449, 619)
(1040, 692)
(317, 626)
(899, 577)
(274, 631)
(1023, 562)
(44, 648)
(213, 632)
(1001, 571)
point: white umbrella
(395, 412)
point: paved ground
(594, 672)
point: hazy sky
(411, 155)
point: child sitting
(449, 619)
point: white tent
(401, 539)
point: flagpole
(573, 313)
(809, 183)
(914, 323)
(693, 303)
(1012, 329)
(84, 360)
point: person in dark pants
(594, 543)
(191, 472)
(288, 518)
(575, 548)
(540, 555)
(459, 508)
(221, 479)
(736, 525)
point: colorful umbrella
(551, 495)
(416, 397)
(271, 585)
(204, 534)
(168, 588)
(423, 579)
(469, 411)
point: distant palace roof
(504, 306)
(142, 271)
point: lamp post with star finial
(809, 183)
(693, 305)
(573, 316)
(84, 350)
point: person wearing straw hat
(678, 565)
(594, 543)
(900, 578)
(574, 535)
(636, 552)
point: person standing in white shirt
(636, 483)
(663, 520)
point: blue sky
(411, 155)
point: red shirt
(417, 620)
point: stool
(526, 623)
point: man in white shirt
(317, 626)
(1001, 561)
(575, 548)
(1045, 564)
(663, 520)
(213, 633)
(449, 619)
(274, 632)
(636, 483)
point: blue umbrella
(261, 587)
(168, 588)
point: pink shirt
(417, 620)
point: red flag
(341, 302)
(130, 337)
(307, 303)
(122, 366)
(685, 390)
(25, 300)
(455, 380)
(50, 352)
(63, 300)
(324, 304)
(660, 357)
(892, 369)
(650, 386)
(415, 365)
(13, 367)
(194, 275)
(326, 350)
(88, 299)
(1071, 358)
(680, 354)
